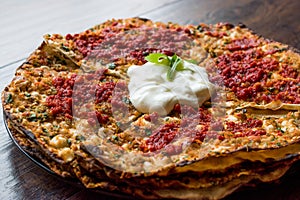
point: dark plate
(72, 182)
(33, 159)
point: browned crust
(33, 150)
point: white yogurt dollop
(151, 91)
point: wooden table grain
(23, 23)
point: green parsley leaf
(115, 137)
(192, 61)
(80, 138)
(32, 117)
(158, 58)
(111, 66)
(9, 98)
(126, 100)
(148, 132)
(65, 48)
(175, 63)
(27, 94)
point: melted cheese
(151, 91)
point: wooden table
(23, 23)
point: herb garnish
(9, 98)
(148, 132)
(175, 63)
(32, 117)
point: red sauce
(94, 117)
(61, 102)
(81, 94)
(99, 93)
(287, 91)
(84, 92)
(160, 137)
(242, 44)
(216, 33)
(114, 43)
(289, 72)
(153, 117)
(247, 74)
(120, 102)
(85, 43)
(241, 70)
(104, 92)
(163, 137)
(172, 149)
(192, 118)
(167, 133)
(245, 128)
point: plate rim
(40, 164)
